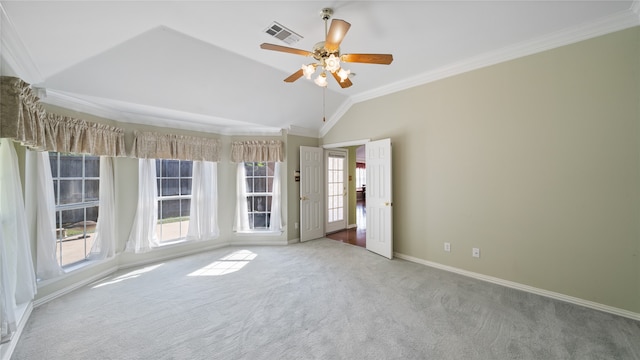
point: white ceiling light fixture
(321, 80)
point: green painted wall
(535, 161)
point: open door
(311, 193)
(379, 201)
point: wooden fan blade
(295, 76)
(383, 59)
(285, 49)
(337, 31)
(344, 84)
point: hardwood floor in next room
(354, 236)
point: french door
(337, 168)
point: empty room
(320, 180)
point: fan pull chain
(324, 106)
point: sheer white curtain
(44, 215)
(17, 276)
(203, 218)
(241, 222)
(276, 202)
(143, 231)
(104, 244)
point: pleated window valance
(24, 119)
(150, 145)
(242, 151)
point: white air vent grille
(280, 32)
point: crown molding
(619, 21)
(180, 120)
(15, 53)
(302, 131)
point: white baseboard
(527, 288)
(293, 241)
(74, 286)
(351, 226)
(6, 349)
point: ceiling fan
(327, 55)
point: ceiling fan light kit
(327, 55)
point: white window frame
(160, 224)
(268, 217)
(83, 204)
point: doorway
(356, 231)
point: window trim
(159, 180)
(266, 230)
(84, 205)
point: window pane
(250, 203)
(53, 160)
(91, 166)
(260, 185)
(186, 168)
(185, 187)
(170, 168)
(270, 168)
(70, 166)
(170, 187)
(270, 184)
(70, 191)
(249, 183)
(260, 169)
(259, 221)
(169, 209)
(185, 205)
(91, 190)
(158, 167)
(248, 168)
(260, 203)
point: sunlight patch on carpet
(130, 275)
(226, 265)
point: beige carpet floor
(317, 300)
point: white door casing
(311, 193)
(336, 174)
(379, 201)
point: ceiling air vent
(280, 32)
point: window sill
(259, 232)
(72, 269)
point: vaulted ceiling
(198, 65)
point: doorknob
(304, 198)
(387, 203)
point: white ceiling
(197, 65)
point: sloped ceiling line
(620, 21)
(15, 53)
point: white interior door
(336, 163)
(311, 193)
(379, 201)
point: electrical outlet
(475, 252)
(447, 247)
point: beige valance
(23, 119)
(150, 145)
(242, 151)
